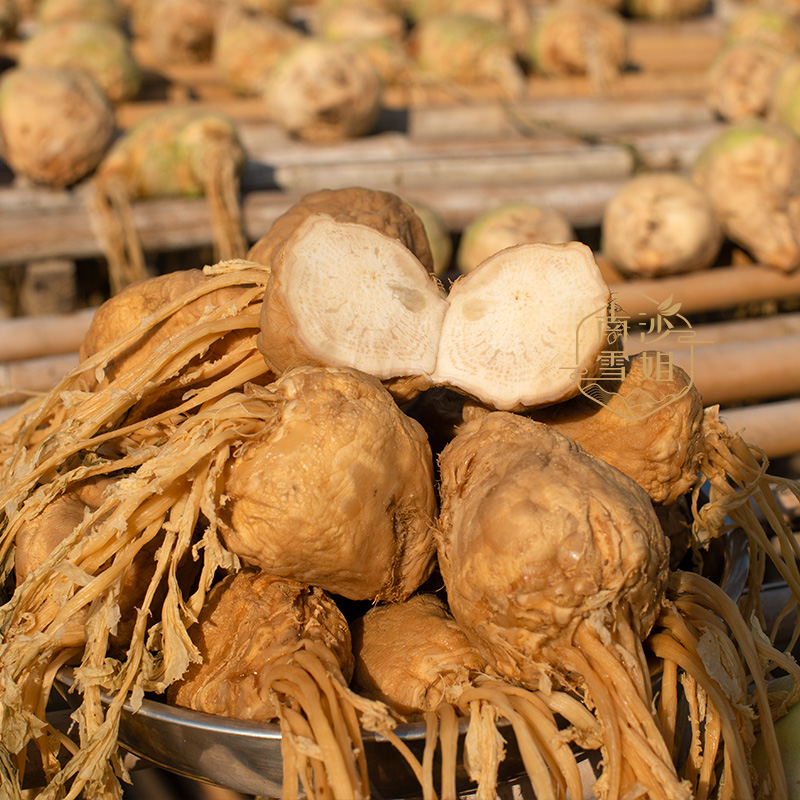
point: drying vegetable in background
(509, 224)
(179, 152)
(660, 223)
(751, 173)
(35, 138)
(322, 90)
(741, 78)
(98, 48)
(464, 48)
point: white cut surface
(523, 325)
(361, 299)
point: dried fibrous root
(723, 666)
(321, 721)
(67, 421)
(741, 494)
(170, 496)
(615, 673)
(198, 154)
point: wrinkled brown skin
(37, 539)
(252, 621)
(536, 536)
(412, 655)
(55, 124)
(381, 210)
(123, 312)
(338, 492)
(661, 451)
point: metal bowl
(246, 756)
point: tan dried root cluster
(192, 515)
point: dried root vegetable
(751, 173)
(349, 502)
(179, 152)
(345, 294)
(414, 657)
(384, 211)
(652, 426)
(247, 47)
(509, 224)
(182, 31)
(275, 649)
(55, 124)
(322, 90)
(580, 39)
(99, 49)
(466, 49)
(765, 23)
(648, 425)
(741, 79)
(660, 224)
(555, 563)
(164, 491)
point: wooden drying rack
(460, 151)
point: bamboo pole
(22, 379)
(45, 335)
(714, 289)
(736, 372)
(774, 427)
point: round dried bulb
(649, 426)
(751, 173)
(98, 48)
(536, 536)
(182, 31)
(741, 79)
(56, 124)
(250, 622)
(323, 91)
(247, 48)
(469, 50)
(660, 224)
(579, 39)
(784, 105)
(509, 224)
(412, 656)
(338, 490)
(382, 210)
